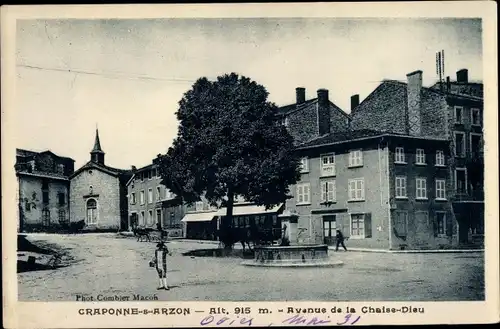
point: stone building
(382, 190)
(308, 119)
(451, 111)
(151, 204)
(99, 193)
(43, 190)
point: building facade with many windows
(451, 111)
(151, 204)
(386, 191)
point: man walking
(340, 241)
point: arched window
(91, 211)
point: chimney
(463, 76)
(414, 90)
(300, 94)
(323, 112)
(448, 84)
(134, 169)
(354, 102)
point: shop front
(200, 225)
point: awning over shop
(249, 210)
(199, 216)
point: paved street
(109, 265)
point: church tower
(97, 154)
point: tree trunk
(227, 224)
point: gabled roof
(60, 157)
(25, 153)
(287, 109)
(109, 170)
(292, 108)
(355, 135)
(341, 136)
(389, 93)
(28, 153)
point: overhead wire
(112, 75)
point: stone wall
(31, 202)
(384, 109)
(105, 190)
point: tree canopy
(229, 144)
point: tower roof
(97, 144)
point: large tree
(229, 144)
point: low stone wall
(305, 253)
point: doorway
(329, 229)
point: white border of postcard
(67, 314)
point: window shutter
(368, 225)
(306, 193)
(449, 225)
(362, 189)
(324, 191)
(331, 191)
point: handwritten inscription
(226, 321)
(297, 319)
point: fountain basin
(292, 256)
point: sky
(126, 77)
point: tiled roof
(25, 153)
(28, 153)
(42, 174)
(144, 168)
(474, 89)
(342, 136)
(348, 136)
(109, 170)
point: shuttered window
(401, 224)
(328, 191)
(361, 226)
(357, 189)
(303, 193)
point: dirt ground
(112, 265)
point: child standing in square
(160, 262)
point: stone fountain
(294, 255)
